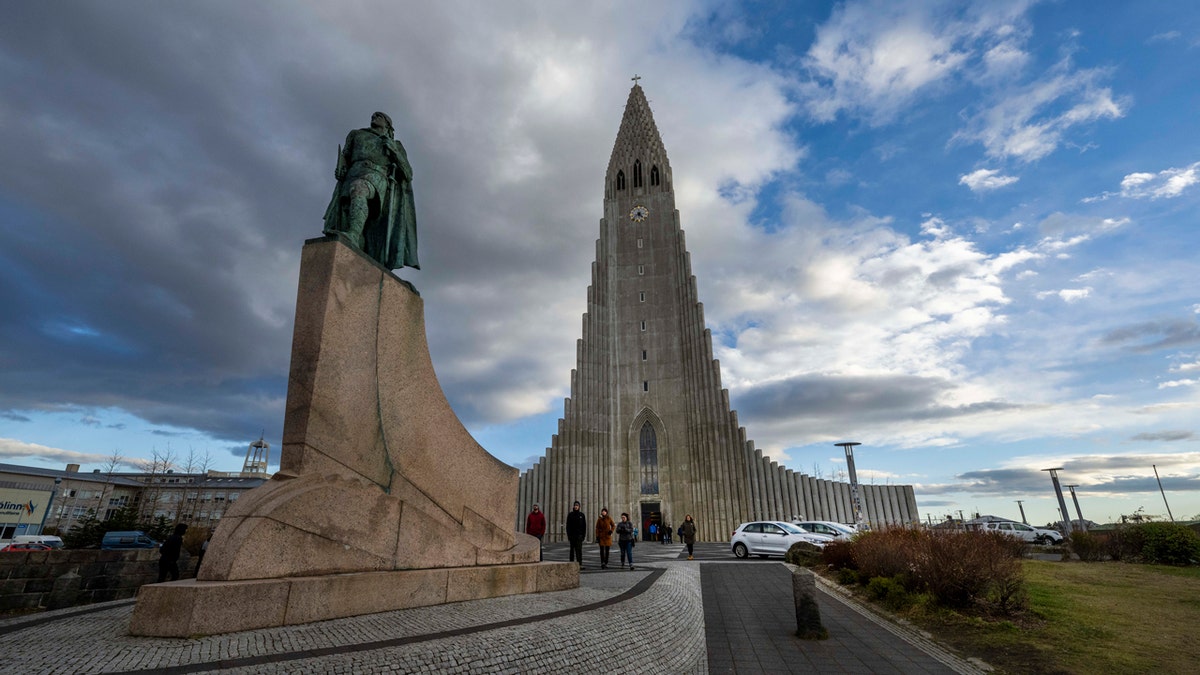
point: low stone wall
(57, 579)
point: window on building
(654, 175)
(645, 385)
(643, 325)
(643, 354)
(233, 496)
(620, 180)
(637, 173)
(639, 242)
(642, 296)
(641, 269)
(648, 444)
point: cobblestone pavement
(603, 626)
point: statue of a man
(372, 205)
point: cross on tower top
(635, 78)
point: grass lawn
(1105, 617)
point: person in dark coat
(577, 527)
(168, 562)
(687, 532)
(535, 526)
(625, 537)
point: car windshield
(791, 529)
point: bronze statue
(372, 205)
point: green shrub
(847, 576)
(803, 554)
(890, 592)
(1087, 546)
(1168, 544)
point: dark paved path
(750, 624)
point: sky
(960, 234)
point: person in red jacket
(535, 526)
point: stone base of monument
(191, 608)
(383, 499)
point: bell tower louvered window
(649, 453)
(654, 179)
(637, 173)
(620, 180)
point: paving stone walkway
(668, 616)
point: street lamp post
(858, 514)
(50, 505)
(1021, 505)
(1075, 498)
(1062, 504)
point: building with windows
(34, 500)
(648, 429)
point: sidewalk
(657, 619)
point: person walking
(535, 526)
(168, 561)
(687, 533)
(653, 531)
(625, 539)
(604, 532)
(576, 532)
(670, 533)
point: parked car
(24, 546)
(128, 539)
(827, 527)
(47, 539)
(1033, 535)
(770, 537)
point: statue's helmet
(385, 119)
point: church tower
(648, 430)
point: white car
(827, 527)
(771, 537)
(1033, 535)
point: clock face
(639, 213)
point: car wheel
(740, 551)
(1043, 540)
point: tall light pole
(1021, 505)
(1164, 494)
(848, 446)
(1075, 498)
(1062, 504)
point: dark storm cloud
(1154, 335)
(172, 158)
(1095, 474)
(14, 417)
(883, 398)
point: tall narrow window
(648, 444)
(642, 296)
(645, 385)
(643, 354)
(620, 180)
(643, 325)
(637, 173)
(639, 242)
(641, 270)
(654, 175)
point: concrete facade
(648, 428)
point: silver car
(770, 537)
(835, 530)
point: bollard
(808, 615)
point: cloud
(1166, 184)
(873, 59)
(1152, 336)
(1168, 36)
(1029, 121)
(1096, 475)
(986, 179)
(1066, 294)
(12, 449)
(1164, 436)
